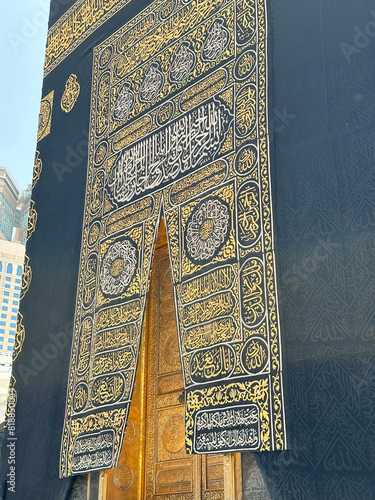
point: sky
(23, 34)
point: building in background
(11, 265)
(9, 194)
(14, 208)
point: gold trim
(232, 477)
(78, 23)
(45, 116)
(88, 486)
(26, 277)
(32, 219)
(20, 337)
(38, 167)
(102, 485)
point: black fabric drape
(323, 72)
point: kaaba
(197, 303)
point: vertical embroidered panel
(45, 116)
(179, 127)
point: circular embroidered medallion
(173, 434)
(118, 268)
(255, 355)
(123, 477)
(130, 431)
(207, 230)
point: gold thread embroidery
(32, 219)
(82, 19)
(71, 93)
(26, 277)
(45, 116)
(20, 337)
(38, 166)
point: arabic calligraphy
(184, 145)
(84, 345)
(45, 116)
(246, 20)
(106, 390)
(217, 40)
(227, 440)
(131, 133)
(183, 63)
(211, 333)
(93, 451)
(245, 65)
(128, 216)
(246, 159)
(165, 113)
(32, 219)
(231, 417)
(75, 26)
(71, 93)
(124, 102)
(196, 183)
(212, 364)
(118, 315)
(246, 104)
(101, 153)
(152, 83)
(235, 427)
(174, 28)
(204, 89)
(26, 277)
(255, 355)
(105, 56)
(249, 224)
(167, 8)
(92, 461)
(90, 280)
(179, 124)
(116, 337)
(94, 233)
(80, 398)
(97, 192)
(102, 104)
(19, 337)
(251, 277)
(220, 304)
(207, 284)
(38, 167)
(113, 361)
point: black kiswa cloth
(138, 120)
(323, 119)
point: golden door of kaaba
(153, 464)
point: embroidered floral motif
(118, 268)
(207, 230)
